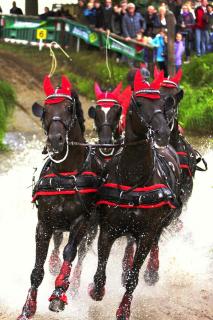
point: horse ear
(37, 110)
(97, 90)
(66, 85)
(156, 72)
(157, 81)
(125, 98)
(47, 85)
(117, 90)
(178, 76)
(138, 80)
(91, 112)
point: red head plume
(65, 85)
(47, 85)
(156, 71)
(97, 90)
(145, 89)
(116, 92)
(158, 80)
(124, 100)
(174, 81)
(178, 76)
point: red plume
(97, 90)
(116, 92)
(65, 85)
(138, 80)
(47, 85)
(177, 77)
(158, 80)
(124, 100)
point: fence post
(78, 45)
(171, 23)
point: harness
(67, 183)
(155, 196)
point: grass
(196, 109)
(7, 102)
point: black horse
(65, 194)
(171, 95)
(140, 196)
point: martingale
(155, 196)
(66, 183)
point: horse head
(147, 116)
(106, 115)
(171, 95)
(58, 115)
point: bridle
(68, 125)
(144, 122)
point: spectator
(116, 25)
(99, 16)
(175, 7)
(186, 23)
(132, 23)
(152, 22)
(201, 33)
(208, 17)
(162, 16)
(160, 45)
(107, 12)
(179, 50)
(80, 12)
(123, 6)
(89, 13)
(15, 10)
(47, 13)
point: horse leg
(58, 299)
(127, 259)
(84, 247)
(96, 290)
(151, 275)
(55, 261)
(143, 247)
(43, 236)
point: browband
(147, 91)
(107, 100)
(170, 82)
(58, 95)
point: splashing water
(186, 258)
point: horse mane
(79, 110)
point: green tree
(31, 7)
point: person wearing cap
(132, 22)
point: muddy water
(185, 289)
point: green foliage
(7, 102)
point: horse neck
(137, 158)
(76, 155)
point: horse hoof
(123, 312)
(22, 317)
(56, 305)
(55, 263)
(151, 277)
(97, 296)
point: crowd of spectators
(193, 24)
(193, 20)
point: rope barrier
(107, 57)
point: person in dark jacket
(99, 16)
(116, 23)
(15, 10)
(152, 22)
(132, 23)
(107, 12)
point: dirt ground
(178, 298)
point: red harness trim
(62, 192)
(126, 188)
(184, 166)
(72, 173)
(141, 206)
